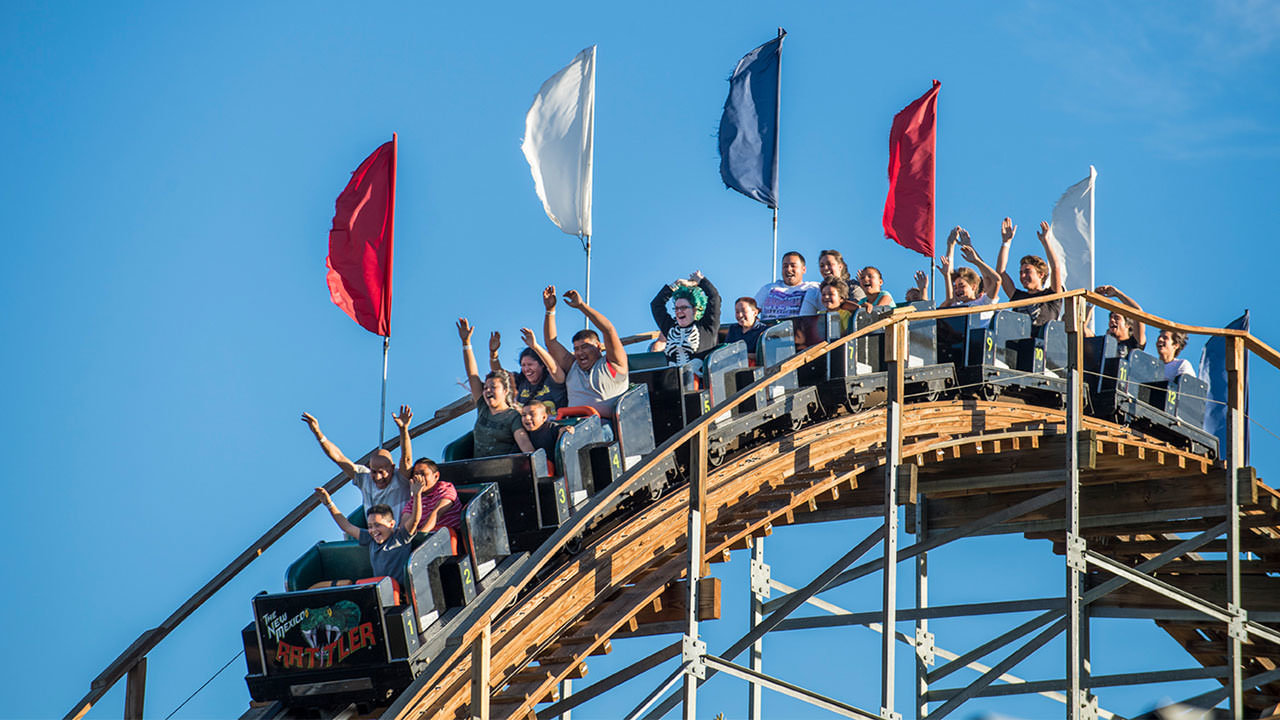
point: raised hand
(324, 496)
(955, 235)
(549, 298)
(465, 330)
(1043, 232)
(922, 280)
(1007, 230)
(944, 262)
(696, 277)
(1106, 290)
(573, 300)
(495, 342)
(969, 253)
(311, 422)
(529, 338)
(402, 420)
(965, 240)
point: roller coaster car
(534, 503)
(857, 374)
(1131, 389)
(780, 407)
(338, 635)
(1008, 356)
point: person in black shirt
(1037, 276)
(1130, 334)
(693, 327)
(543, 432)
(749, 325)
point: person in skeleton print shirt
(693, 326)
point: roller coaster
(918, 416)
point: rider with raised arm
(1130, 334)
(381, 482)
(497, 430)
(534, 382)
(1038, 277)
(595, 373)
(964, 288)
(692, 329)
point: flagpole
(775, 244)
(386, 290)
(382, 411)
(586, 244)
(777, 145)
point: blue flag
(749, 125)
(1213, 370)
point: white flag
(558, 141)
(1071, 233)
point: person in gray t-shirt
(595, 373)
(380, 482)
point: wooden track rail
(969, 459)
(961, 450)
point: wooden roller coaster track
(1118, 504)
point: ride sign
(320, 629)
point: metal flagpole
(586, 245)
(386, 293)
(777, 146)
(382, 412)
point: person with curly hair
(497, 430)
(692, 328)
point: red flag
(360, 243)
(908, 210)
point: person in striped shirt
(440, 506)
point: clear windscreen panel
(486, 533)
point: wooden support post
(480, 648)
(1077, 694)
(759, 593)
(692, 648)
(1235, 462)
(896, 361)
(135, 690)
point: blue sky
(170, 176)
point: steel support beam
(759, 580)
(940, 539)
(794, 600)
(1077, 696)
(1150, 677)
(1235, 461)
(924, 639)
(896, 358)
(937, 651)
(1102, 590)
(606, 684)
(692, 649)
(1000, 668)
(786, 688)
